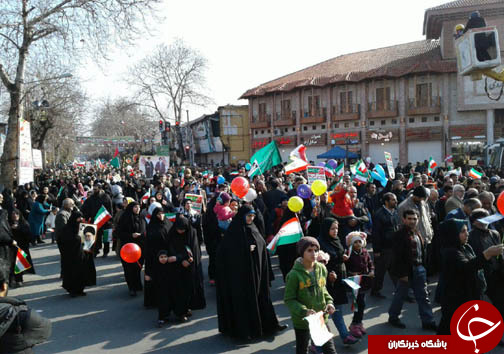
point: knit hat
(420, 192)
(224, 198)
(306, 242)
(356, 236)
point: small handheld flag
(22, 263)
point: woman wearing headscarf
(461, 270)
(37, 216)
(23, 203)
(8, 200)
(21, 234)
(131, 229)
(193, 217)
(244, 304)
(187, 288)
(330, 243)
(161, 199)
(77, 265)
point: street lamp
(63, 76)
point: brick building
(405, 99)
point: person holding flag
(98, 205)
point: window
(262, 112)
(347, 125)
(293, 129)
(383, 99)
(305, 128)
(356, 124)
(371, 122)
(412, 120)
(336, 125)
(346, 101)
(256, 132)
(314, 127)
(323, 126)
(424, 119)
(423, 94)
(269, 131)
(436, 119)
(262, 131)
(286, 109)
(313, 106)
(286, 130)
(394, 121)
(383, 122)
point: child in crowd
(50, 223)
(358, 263)
(163, 281)
(223, 211)
(306, 293)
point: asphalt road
(108, 320)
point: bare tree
(172, 78)
(56, 25)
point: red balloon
(240, 187)
(500, 203)
(131, 253)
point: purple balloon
(304, 191)
(321, 164)
(332, 163)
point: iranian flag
(449, 158)
(340, 170)
(171, 216)
(22, 263)
(108, 235)
(475, 174)
(360, 177)
(299, 153)
(101, 217)
(146, 196)
(234, 173)
(296, 165)
(359, 166)
(290, 232)
(329, 172)
(409, 185)
(432, 165)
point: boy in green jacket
(306, 293)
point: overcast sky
(250, 42)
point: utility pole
(188, 139)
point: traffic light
(161, 125)
(177, 123)
(167, 127)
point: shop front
(468, 144)
(381, 141)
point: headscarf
(450, 229)
(181, 223)
(128, 218)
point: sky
(248, 43)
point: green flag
(267, 157)
(115, 162)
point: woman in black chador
(77, 265)
(244, 304)
(131, 229)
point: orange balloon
(240, 187)
(500, 203)
(131, 252)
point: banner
(390, 165)
(197, 201)
(151, 165)
(25, 163)
(37, 159)
(87, 233)
(315, 173)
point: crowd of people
(434, 228)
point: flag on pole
(234, 173)
(101, 217)
(22, 263)
(432, 165)
(354, 283)
(107, 235)
(146, 196)
(290, 232)
(254, 168)
(267, 157)
(475, 173)
(329, 171)
(296, 165)
(361, 177)
(340, 170)
(116, 153)
(409, 184)
(449, 158)
(457, 171)
(299, 153)
(171, 216)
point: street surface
(108, 320)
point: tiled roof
(396, 61)
(463, 3)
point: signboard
(390, 165)
(315, 173)
(163, 150)
(151, 165)
(25, 163)
(37, 159)
(87, 233)
(197, 201)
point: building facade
(406, 99)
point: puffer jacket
(304, 291)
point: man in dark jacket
(408, 259)
(89, 210)
(20, 327)
(385, 225)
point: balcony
(346, 112)
(425, 106)
(385, 109)
(264, 121)
(317, 115)
(286, 119)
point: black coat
(333, 247)
(385, 225)
(402, 258)
(6, 247)
(244, 305)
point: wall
(235, 132)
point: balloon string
(139, 264)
